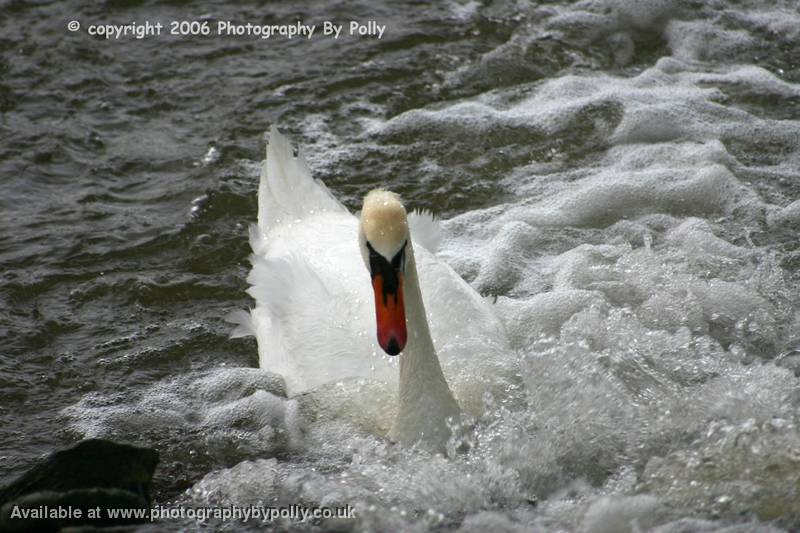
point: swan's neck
(425, 399)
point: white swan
(316, 318)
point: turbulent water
(621, 179)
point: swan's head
(384, 239)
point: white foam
(543, 314)
(786, 216)
(226, 414)
(495, 522)
(697, 40)
(778, 21)
(734, 468)
(692, 525)
(247, 483)
(621, 514)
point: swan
(334, 292)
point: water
(622, 177)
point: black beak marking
(378, 265)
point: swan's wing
(425, 230)
(287, 193)
(313, 318)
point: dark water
(129, 174)
(121, 248)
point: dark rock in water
(94, 474)
(92, 463)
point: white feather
(287, 192)
(244, 323)
(425, 230)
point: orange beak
(390, 314)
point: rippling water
(623, 178)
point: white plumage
(314, 318)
